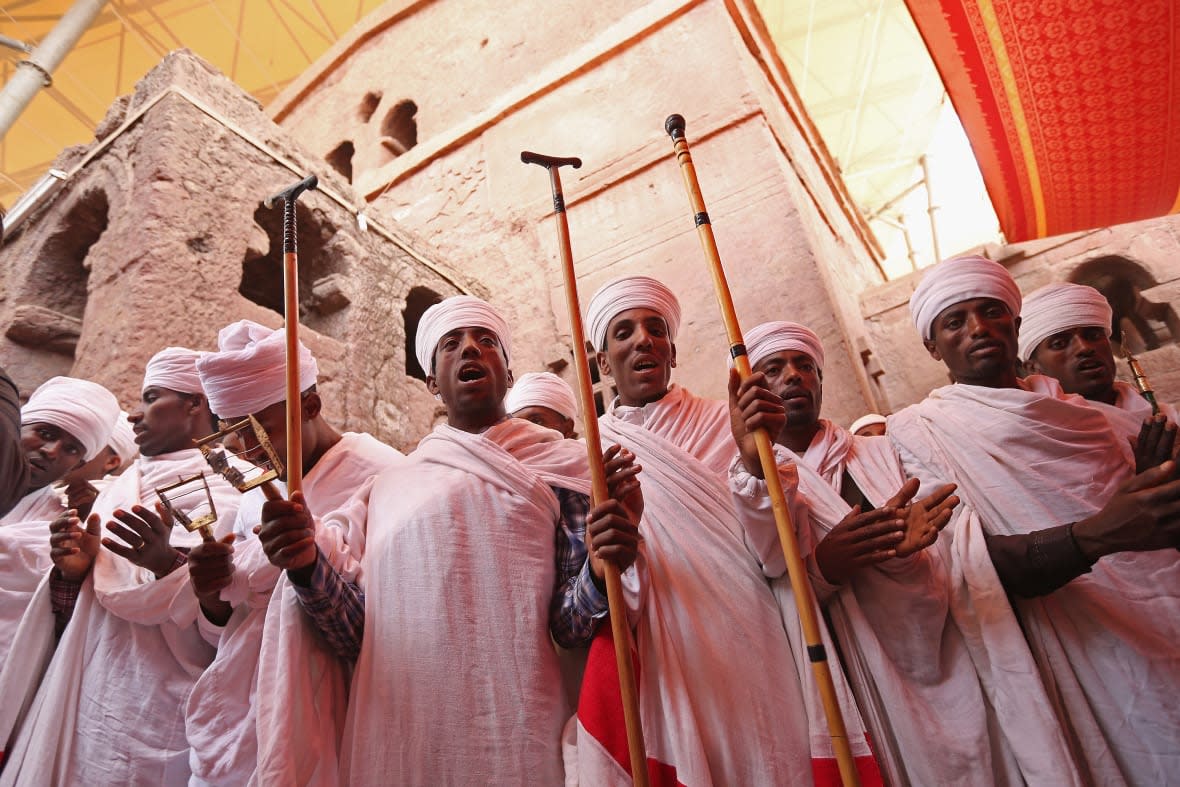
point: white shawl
(1027, 459)
(110, 707)
(222, 725)
(24, 557)
(720, 697)
(457, 679)
(907, 660)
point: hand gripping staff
(291, 323)
(804, 601)
(614, 587)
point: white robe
(24, 557)
(720, 695)
(907, 660)
(222, 724)
(1106, 644)
(109, 709)
(457, 681)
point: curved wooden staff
(620, 629)
(291, 324)
(804, 601)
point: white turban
(451, 314)
(122, 440)
(84, 409)
(866, 420)
(1059, 307)
(542, 389)
(630, 292)
(957, 280)
(174, 368)
(763, 341)
(248, 373)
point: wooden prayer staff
(1142, 384)
(291, 323)
(620, 628)
(804, 601)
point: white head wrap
(122, 440)
(173, 368)
(450, 314)
(960, 279)
(866, 420)
(630, 292)
(248, 373)
(1059, 307)
(542, 389)
(86, 410)
(769, 338)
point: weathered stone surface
(154, 240)
(44, 329)
(597, 81)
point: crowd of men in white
(999, 572)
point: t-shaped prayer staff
(291, 324)
(620, 629)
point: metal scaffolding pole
(36, 72)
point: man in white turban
(1045, 483)
(63, 422)
(545, 399)
(239, 721)
(707, 718)
(1065, 334)
(463, 581)
(868, 425)
(110, 705)
(66, 423)
(916, 684)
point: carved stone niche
(1159, 304)
(45, 329)
(328, 294)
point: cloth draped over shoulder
(1130, 410)
(457, 679)
(708, 717)
(90, 719)
(1105, 644)
(284, 712)
(908, 663)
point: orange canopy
(1072, 108)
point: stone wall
(597, 81)
(1136, 265)
(158, 238)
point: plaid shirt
(337, 606)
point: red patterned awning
(1072, 108)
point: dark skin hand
(287, 534)
(145, 538)
(211, 570)
(925, 518)
(753, 406)
(1156, 443)
(897, 529)
(1143, 515)
(612, 527)
(73, 548)
(80, 495)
